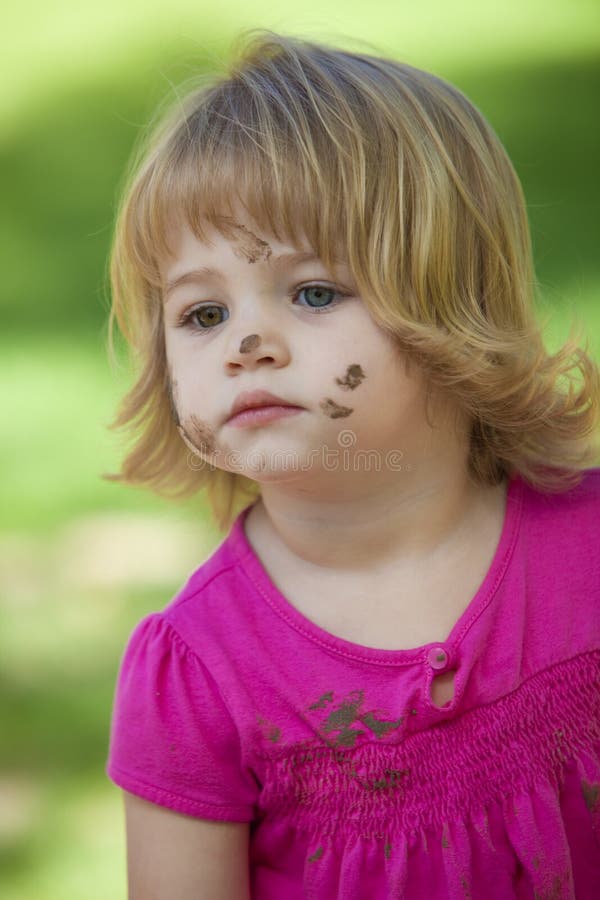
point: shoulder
(580, 503)
(197, 622)
(213, 571)
(209, 612)
(563, 527)
(182, 645)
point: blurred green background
(82, 560)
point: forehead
(236, 236)
(241, 196)
(244, 237)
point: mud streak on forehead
(250, 246)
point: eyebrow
(203, 272)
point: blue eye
(318, 296)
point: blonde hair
(397, 170)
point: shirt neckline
(252, 565)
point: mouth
(255, 407)
(260, 415)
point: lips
(256, 399)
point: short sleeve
(172, 738)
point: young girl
(385, 682)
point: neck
(414, 520)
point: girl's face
(247, 313)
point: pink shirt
(231, 705)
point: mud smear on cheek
(353, 377)
(334, 410)
(249, 343)
(199, 434)
(171, 391)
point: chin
(272, 475)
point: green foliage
(61, 169)
(62, 627)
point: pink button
(437, 657)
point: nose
(250, 348)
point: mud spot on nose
(334, 410)
(250, 342)
(353, 377)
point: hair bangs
(215, 165)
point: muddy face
(250, 342)
(334, 410)
(353, 377)
(199, 434)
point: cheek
(198, 433)
(189, 370)
(172, 396)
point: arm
(171, 856)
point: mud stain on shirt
(591, 794)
